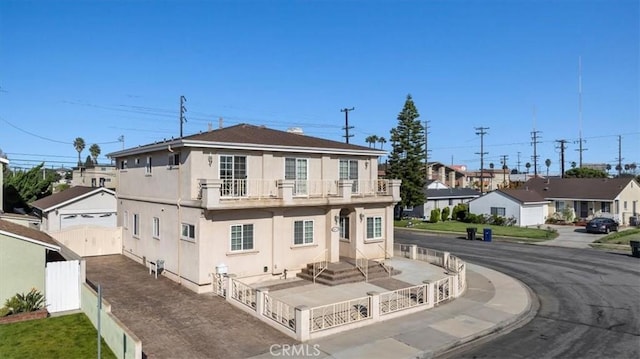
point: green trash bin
(486, 234)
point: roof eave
(31, 240)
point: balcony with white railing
(217, 194)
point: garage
(88, 219)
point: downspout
(179, 217)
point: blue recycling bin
(486, 234)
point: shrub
(435, 215)
(22, 303)
(460, 212)
(4, 311)
(445, 213)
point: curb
(453, 349)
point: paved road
(589, 299)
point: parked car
(601, 225)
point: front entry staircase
(346, 271)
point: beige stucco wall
(22, 267)
(629, 195)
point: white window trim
(147, 167)
(125, 220)
(187, 237)
(374, 238)
(242, 249)
(304, 243)
(136, 225)
(155, 227)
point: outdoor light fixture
(210, 160)
(361, 216)
(335, 219)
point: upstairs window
(296, 169)
(188, 232)
(156, 227)
(349, 171)
(123, 164)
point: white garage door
(88, 219)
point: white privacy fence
(305, 323)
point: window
(136, 225)
(147, 168)
(156, 227)
(93, 182)
(374, 227)
(605, 207)
(625, 205)
(560, 206)
(137, 161)
(344, 228)
(241, 237)
(233, 173)
(296, 169)
(188, 232)
(125, 220)
(174, 159)
(498, 211)
(349, 171)
(123, 164)
(302, 232)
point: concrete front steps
(346, 271)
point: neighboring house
(96, 176)
(473, 180)
(31, 259)
(27, 220)
(77, 206)
(3, 162)
(527, 207)
(440, 196)
(450, 176)
(588, 197)
(256, 202)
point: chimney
(441, 175)
(452, 179)
(429, 173)
(220, 123)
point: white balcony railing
(212, 192)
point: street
(589, 299)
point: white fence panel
(62, 286)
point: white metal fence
(337, 314)
(404, 298)
(280, 312)
(243, 293)
(62, 286)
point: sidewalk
(492, 302)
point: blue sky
(102, 69)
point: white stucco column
(333, 235)
(210, 192)
(285, 190)
(345, 188)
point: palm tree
(633, 167)
(371, 140)
(94, 150)
(608, 167)
(528, 165)
(547, 163)
(382, 141)
(573, 164)
(79, 145)
(491, 165)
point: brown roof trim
(31, 235)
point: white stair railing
(320, 263)
(362, 263)
(382, 262)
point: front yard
(69, 336)
(527, 234)
(618, 240)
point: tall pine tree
(407, 154)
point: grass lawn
(622, 237)
(529, 234)
(69, 336)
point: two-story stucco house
(256, 202)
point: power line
(183, 109)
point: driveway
(571, 237)
(174, 322)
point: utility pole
(183, 119)
(121, 139)
(535, 139)
(346, 127)
(562, 148)
(426, 149)
(481, 131)
(518, 163)
(619, 167)
(504, 169)
(580, 140)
